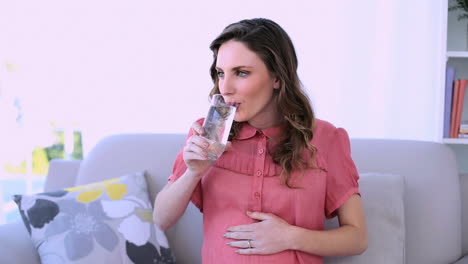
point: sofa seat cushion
(108, 221)
(382, 198)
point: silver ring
(248, 241)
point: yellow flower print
(144, 215)
(93, 191)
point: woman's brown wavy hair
(273, 45)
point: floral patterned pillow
(105, 222)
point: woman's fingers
(194, 150)
(195, 156)
(239, 235)
(199, 141)
(197, 129)
(241, 243)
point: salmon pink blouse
(245, 178)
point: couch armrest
(62, 174)
(15, 245)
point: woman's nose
(226, 86)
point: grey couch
(435, 198)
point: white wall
(371, 66)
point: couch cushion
(432, 193)
(383, 202)
(109, 221)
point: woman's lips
(236, 105)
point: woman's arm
(173, 199)
(349, 239)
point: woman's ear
(276, 84)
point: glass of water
(217, 125)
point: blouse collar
(248, 131)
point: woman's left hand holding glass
(265, 237)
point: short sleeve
(342, 175)
(179, 169)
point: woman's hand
(195, 153)
(265, 237)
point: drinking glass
(217, 125)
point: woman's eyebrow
(236, 68)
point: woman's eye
(220, 74)
(242, 73)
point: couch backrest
(432, 194)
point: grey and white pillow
(109, 221)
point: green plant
(463, 5)
(40, 164)
(42, 155)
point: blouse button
(257, 195)
(260, 151)
(258, 173)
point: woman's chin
(236, 117)
(239, 119)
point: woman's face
(245, 81)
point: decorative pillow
(103, 222)
(382, 198)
